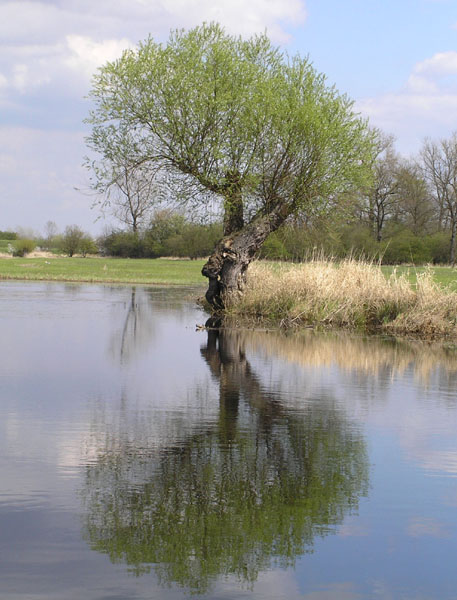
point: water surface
(142, 458)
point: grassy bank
(105, 270)
(352, 295)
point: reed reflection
(235, 496)
(372, 357)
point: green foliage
(23, 246)
(169, 234)
(401, 245)
(438, 245)
(8, 235)
(232, 117)
(87, 246)
(125, 244)
(194, 241)
(273, 248)
(74, 240)
(405, 247)
(163, 226)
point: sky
(397, 59)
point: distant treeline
(400, 245)
(349, 233)
(168, 234)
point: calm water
(140, 458)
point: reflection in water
(235, 496)
(369, 356)
(198, 462)
(137, 326)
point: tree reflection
(137, 328)
(232, 498)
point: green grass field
(445, 276)
(109, 270)
(153, 271)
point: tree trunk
(233, 204)
(453, 241)
(226, 267)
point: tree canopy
(235, 121)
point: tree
(125, 185)
(50, 233)
(378, 201)
(415, 206)
(237, 122)
(71, 239)
(439, 160)
(87, 245)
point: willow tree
(234, 122)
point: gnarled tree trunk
(226, 267)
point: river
(142, 456)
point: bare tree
(439, 161)
(132, 196)
(50, 232)
(126, 185)
(415, 205)
(377, 202)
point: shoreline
(351, 296)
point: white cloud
(439, 65)
(86, 55)
(425, 107)
(238, 16)
(45, 44)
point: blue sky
(396, 59)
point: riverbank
(350, 295)
(159, 271)
(419, 302)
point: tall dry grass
(351, 294)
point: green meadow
(158, 271)
(106, 270)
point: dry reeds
(351, 294)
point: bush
(125, 244)
(405, 247)
(169, 235)
(8, 235)
(71, 239)
(87, 246)
(23, 246)
(195, 240)
(274, 249)
(438, 247)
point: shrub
(8, 235)
(273, 248)
(87, 246)
(405, 247)
(125, 244)
(71, 239)
(23, 246)
(438, 247)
